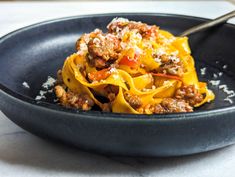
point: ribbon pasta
(138, 71)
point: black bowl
(32, 53)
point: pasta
(133, 68)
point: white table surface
(25, 155)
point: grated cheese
(97, 30)
(55, 100)
(225, 66)
(50, 82)
(123, 45)
(229, 100)
(215, 75)
(46, 85)
(160, 51)
(220, 74)
(83, 47)
(113, 70)
(203, 71)
(174, 59)
(25, 84)
(118, 20)
(138, 51)
(214, 82)
(116, 77)
(225, 89)
(158, 60)
(96, 40)
(41, 95)
(230, 93)
(169, 83)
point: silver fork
(206, 25)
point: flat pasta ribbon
(136, 72)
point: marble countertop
(25, 155)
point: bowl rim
(107, 115)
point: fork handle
(209, 24)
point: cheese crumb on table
(26, 85)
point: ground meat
(74, 100)
(175, 105)
(82, 42)
(133, 100)
(99, 63)
(59, 79)
(145, 30)
(170, 105)
(82, 70)
(158, 109)
(103, 50)
(170, 66)
(111, 91)
(190, 94)
(106, 107)
(61, 94)
(172, 69)
(111, 97)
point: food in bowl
(132, 68)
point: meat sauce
(104, 52)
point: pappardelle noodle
(133, 68)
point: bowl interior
(36, 52)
